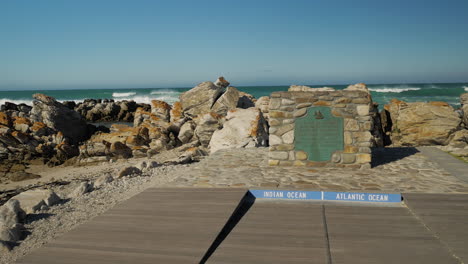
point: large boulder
(161, 110)
(464, 107)
(207, 124)
(420, 124)
(227, 101)
(243, 128)
(200, 99)
(59, 117)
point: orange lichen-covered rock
(176, 112)
(419, 124)
(5, 119)
(160, 109)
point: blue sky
(130, 44)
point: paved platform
(156, 226)
(454, 166)
(212, 226)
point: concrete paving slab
(156, 226)
(381, 235)
(446, 216)
(454, 166)
(281, 232)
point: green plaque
(318, 133)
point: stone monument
(321, 128)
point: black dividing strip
(244, 205)
(327, 239)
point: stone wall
(354, 108)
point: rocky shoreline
(53, 159)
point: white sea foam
(394, 89)
(20, 101)
(123, 94)
(466, 88)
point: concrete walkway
(454, 166)
(190, 225)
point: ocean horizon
(381, 93)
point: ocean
(381, 93)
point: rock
(200, 99)
(59, 117)
(243, 128)
(303, 88)
(22, 124)
(104, 179)
(186, 132)
(176, 112)
(221, 82)
(152, 164)
(161, 110)
(5, 119)
(129, 171)
(32, 200)
(22, 176)
(4, 247)
(462, 152)
(246, 100)
(459, 139)
(83, 188)
(10, 217)
(263, 103)
(464, 108)
(227, 101)
(207, 124)
(142, 166)
(420, 124)
(357, 87)
(120, 150)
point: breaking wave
(466, 88)
(123, 94)
(394, 90)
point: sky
(149, 44)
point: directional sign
(327, 196)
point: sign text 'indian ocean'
(327, 196)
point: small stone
(336, 158)
(274, 122)
(129, 171)
(350, 149)
(362, 136)
(362, 110)
(348, 139)
(288, 121)
(351, 124)
(348, 158)
(275, 103)
(278, 155)
(275, 140)
(364, 150)
(284, 128)
(285, 147)
(273, 162)
(83, 188)
(300, 112)
(32, 200)
(287, 102)
(104, 179)
(288, 138)
(299, 163)
(303, 105)
(363, 158)
(322, 103)
(142, 165)
(301, 155)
